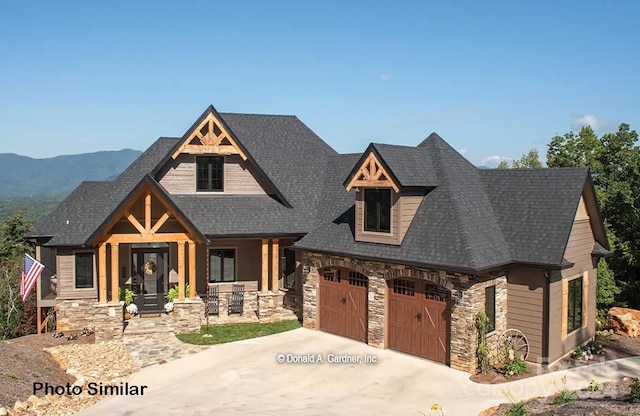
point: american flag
(31, 270)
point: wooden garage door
(419, 319)
(343, 303)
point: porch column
(192, 270)
(265, 266)
(102, 273)
(181, 270)
(275, 265)
(115, 264)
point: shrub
(564, 395)
(595, 347)
(594, 385)
(514, 366)
(173, 293)
(517, 408)
(634, 396)
(483, 352)
(125, 295)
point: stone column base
(270, 306)
(75, 314)
(188, 315)
(108, 321)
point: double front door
(150, 281)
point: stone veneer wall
(310, 281)
(77, 314)
(271, 306)
(188, 315)
(108, 321)
(376, 310)
(74, 314)
(463, 333)
(464, 336)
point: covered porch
(149, 247)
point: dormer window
(377, 210)
(210, 173)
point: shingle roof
(535, 209)
(413, 167)
(473, 220)
(288, 152)
(469, 220)
(80, 214)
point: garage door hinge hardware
(343, 301)
(419, 316)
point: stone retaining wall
(105, 319)
(74, 315)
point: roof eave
(147, 179)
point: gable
(147, 215)
(373, 174)
(209, 136)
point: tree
(12, 236)
(529, 160)
(16, 317)
(614, 162)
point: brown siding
(408, 206)
(248, 267)
(361, 235)
(65, 267)
(578, 251)
(179, 176)
(525, 307)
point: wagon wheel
(516, 340)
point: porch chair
(236, 302)
(213, 300)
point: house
(398, 247)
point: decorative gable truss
(210, 137)
(372, 174)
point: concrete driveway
(245, 378)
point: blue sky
(494, 79)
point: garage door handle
(343, 301)
(419, 316)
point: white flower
(511, 355)
(132, 309)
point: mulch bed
(25, 362)
(613, 348)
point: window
(377, 210)
(358, 279)
(490, 306)
(436, 292)
(332, 275)
(404, 287)
(574, 312)
(210, 173)
(222, 265)
(84, 270)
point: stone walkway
(152, 341)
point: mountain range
(22, 176)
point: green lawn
(235, 332)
